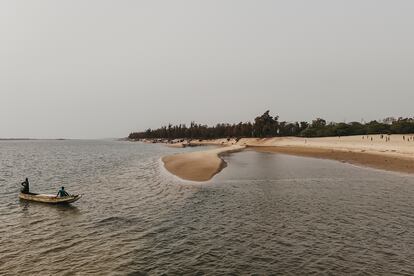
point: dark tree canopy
(269, 126)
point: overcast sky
(95, 68)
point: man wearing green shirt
(62, 192)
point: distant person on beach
(25, 184)
(62, 192)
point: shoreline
(364, 159)
(393, 154)
(198, 166)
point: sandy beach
(198, 166)
(394, 154)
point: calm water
(264, 214)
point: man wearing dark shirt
(25, 184)
(62, 193)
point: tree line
(269, 126)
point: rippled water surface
(264, 214)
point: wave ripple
(264, 214)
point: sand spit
(198, 166)
(387, 152)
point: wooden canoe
(51, 199)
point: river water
(263, 214)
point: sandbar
(393, 152)
(198, 166)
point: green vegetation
(268, 126)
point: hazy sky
(94, 68)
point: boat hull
(51, 199)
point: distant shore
(386, 152)
(16, 139)
(32, 139)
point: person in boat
(62, 192)
(25, 184)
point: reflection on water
(264, 214)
